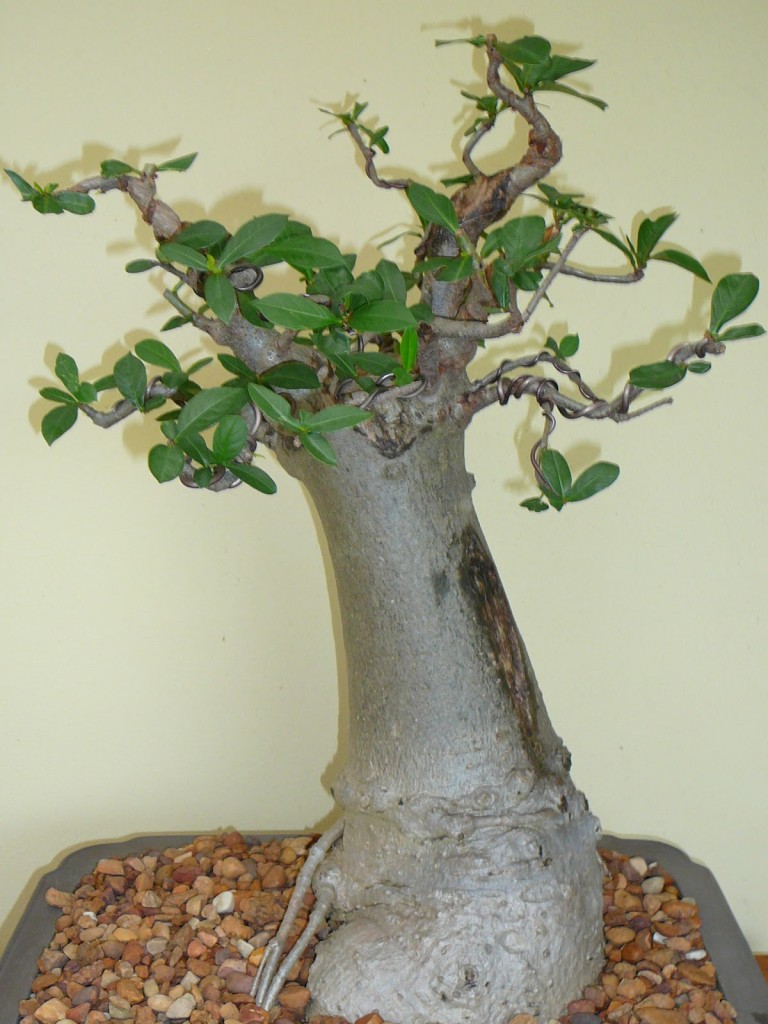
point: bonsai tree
(462, 874)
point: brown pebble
(620, 935)
(678, 909)
(654, 1015)
(57, 898)
(370, 1018)
(51, 1011)
(254, 1015)
(130, 990)
(633, 952)
(296, 997)
(78, 1014)
(275, 878)
(110, 866)
(581, 1006)
(699, 975)
(239, 981)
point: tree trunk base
(509, 921)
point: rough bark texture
(469, 887)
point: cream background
(167, 656)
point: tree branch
(589, 275)
(162, 218)
(466, 156)
(553, 272)
(487, 199)
(495, 387)
(370, 157)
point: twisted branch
(495, 387)
(370, 161)
(162, 218)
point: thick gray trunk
(469, 884)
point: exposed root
(272, 974)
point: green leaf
(393, 282)
(457, 269)
(295, 312)
(682, 259)
(202, 234)
(139, 266)
(203, 476)
(432, 207)
(306, 253)
(44, 202)
(569, 346)
(335, 417)
(559, 66)
(236, 366)
(199, 364)
(409, 348)
(522, 242)
(57, 395)
(556, 472)
(165, 462)
(535, 505)
(613, 240)
(114, 168)
(649, 235)
(208, 407)
(292, 375)
(745, 331)
(655, 376)
(131, 379)
(220, 296)
(528, 50)
(384, 315)
(66, 370)
(275, 407)
(374, 363)
(58, 421)
(76, 202)
(229, 438)
(593, 480)
(699, 367)
(194, 446)
(254, 477)
(254, 235)
(157, 354)
(27, 191)
(174, 252)
(173, 322)
(319, 447)
(734, 293)
(179, 163)
(86, 393)
(568, 91)
(105, 383)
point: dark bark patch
(480, 581)
(440, 585)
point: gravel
(176, 935)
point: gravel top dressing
(177, 934)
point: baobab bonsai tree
(462, 876)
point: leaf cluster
(558, 488)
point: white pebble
(189, 980)
(224, 903)
(696, 954)
(244, 948)
(181, 1008)
(659, 939)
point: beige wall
(167, 656)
